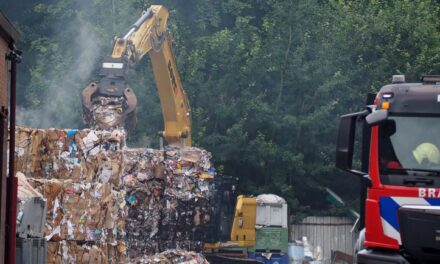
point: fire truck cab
(399, 172)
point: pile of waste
(168, 201)
(113, 204)
(171, 257)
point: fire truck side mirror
(345, 141)
(377, 117)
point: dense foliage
(267, 80)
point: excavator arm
(149, 34)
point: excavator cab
(111, 103)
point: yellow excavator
(111, 103)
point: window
(409, 143)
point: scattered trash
(171, 257)
(308, 250)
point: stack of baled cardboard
(107, 203)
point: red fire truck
(399, 171)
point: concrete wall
(330, 233)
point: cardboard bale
(168, 200)
(83, 211)
(77, 252)
(137, 201)
(117, 253)
(23, 148)
(70, 154)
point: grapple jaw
(107, 106)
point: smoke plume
(62, 105)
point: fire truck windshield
(409, 143)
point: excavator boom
(149, 34)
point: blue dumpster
(274, 258)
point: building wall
(329, 233)
(8, 36)
(3, 73)
(3, 142)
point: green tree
(267, 80)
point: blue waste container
(278, 259)
(274, 259)
(257, 257)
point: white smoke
(62, 105)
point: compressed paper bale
(108, 167)
(103, 156)
(70, 154)
(141, 163)
(51, 190)
(76, 252)
(143, 224)
(36, 168)
(41, 147)
(191, 157)
(116, 215)
(83, 211)
(53, 256)
(117, 253)
(164, 203)
(23, 151)
(88, 210)
(168, 202)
